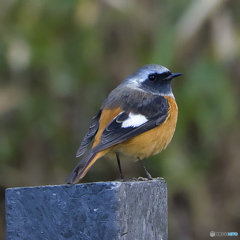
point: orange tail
(82, 168)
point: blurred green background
(60, 59)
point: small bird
(137, 119)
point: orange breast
(154, 141)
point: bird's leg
(149, 177)
(119, 166)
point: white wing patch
(134, 120)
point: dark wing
(93, 128)
(147, 115)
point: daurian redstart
(138, 119)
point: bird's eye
(152, 77)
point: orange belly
(154, 141)
(146, 144)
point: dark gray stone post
(101, 211)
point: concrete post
(101, 211)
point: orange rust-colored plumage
(153, 141)
(106, 117)
(91, 157)
(92, 161)
(144, 145)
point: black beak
(176, 75)
(173, 75)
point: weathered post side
(103, 210)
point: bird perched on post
(138, 119)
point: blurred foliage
(59, 60)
